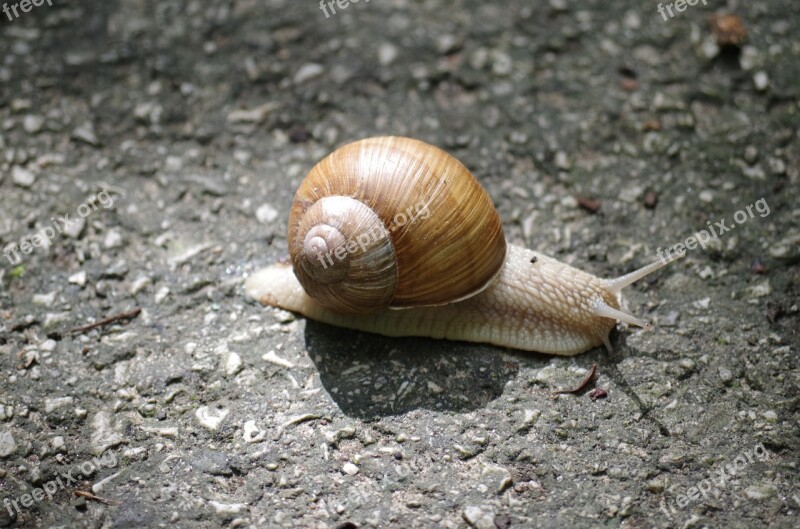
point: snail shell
(359, 235)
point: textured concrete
(181, 130)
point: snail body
(396, 237)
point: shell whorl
(363, 274)
(394, 222)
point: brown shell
(442, 239)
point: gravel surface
(156, 146)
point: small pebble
(308, 72)
(211, 418)
(85, 133)
(50, 405)
(7, 444)
(751, 154)
(266, 213)
(78, 278)
(562, 161)
(447, 43)
(22, 177)
(760, 492)
(478, 518)
(759, 290)
(271, 357)
(254, 115)
(74, 227)
(387, 53)
(113, 239)
(770, 416)
(252, 433)
(45, 299)
(103, 435)
(227, 509)
(233, 364)
(32, 124)
(139, 284)
(761, 81)
(162, 294)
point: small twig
(90, 496)
(105, 321)
(580, 387)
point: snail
(394, 236)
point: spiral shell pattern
(393, 222)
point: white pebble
(760, 492)
(770, 416)
(227, 508)
(759, 290)
(387, 53)
(45, 299)
(32, 124)
(51, 405)
(113, 239)
(162, 294)
(85, 133)
(139, 284)
(134, 453)
(761, 81)
(562, 161)
(702, 303)
(6, 412)
(307, 72)
(252, 433)
(22, 177)
(7, 444)
(477, 517)
(74, 227)
(531, 416)
(211, 418)
(103, 436)
(233, 364)
(275, 359)
(350, 469)
(266, 214)
(78, 278)
(254, 115)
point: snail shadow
(371, 376)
